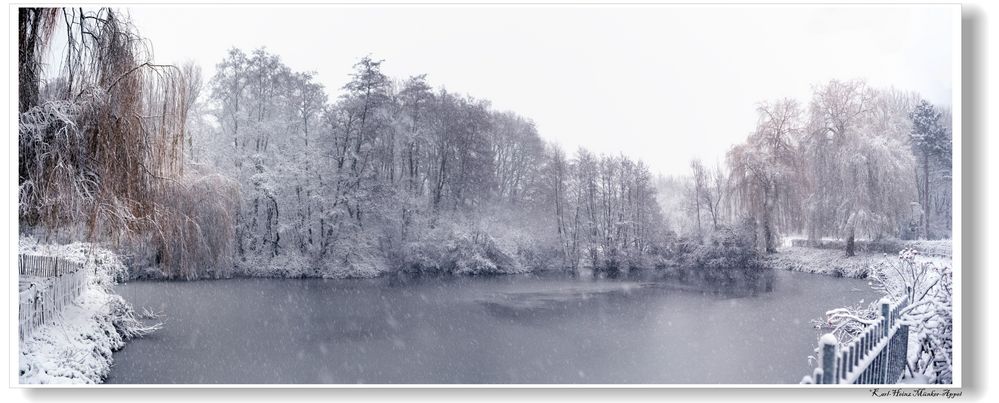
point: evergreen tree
(932, 146)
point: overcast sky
(663, 84)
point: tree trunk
(276, 227)
(697, 206)
(850, 242)
(28, 22)
(768, 235)
(926, 194)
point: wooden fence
(56, 283)
(878, 356)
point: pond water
(551, 328)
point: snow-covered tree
(931, 143)
(856, 165)
(764, 171)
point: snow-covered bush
(727, 249)
(847, 323)
(455, 249)
(126, 321)
(728, 257)
(929, 286)
(358, 257)
(462, 249)
(939, 346)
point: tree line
(392, 169)
(260, 170)
(854, 162)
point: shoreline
(76, 346)
(834, 262)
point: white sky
(662, 84)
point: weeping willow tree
(764, 172)
(101, 144)
(859, 157)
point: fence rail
(56, 283)
(878, 356)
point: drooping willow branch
(103, 152)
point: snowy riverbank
(76, 346)
(834, 262)
(830, 262)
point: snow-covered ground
(76, 346)
(834, 262)
(831, 262)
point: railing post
(853, 356)
(885, 308)
(829, 347)
(886, 319)
(842, 365)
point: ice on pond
(491, 329)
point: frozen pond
(504, 329)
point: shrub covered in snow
(727, 256)
(725, 249)
(462, 249)
(928, 284)
(848, 323)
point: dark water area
(550, 328)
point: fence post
(844, 361)
(829, 346)
(886, 321)
(885, 308)
(853, 355)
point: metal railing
(55, 284)
(877, 356)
